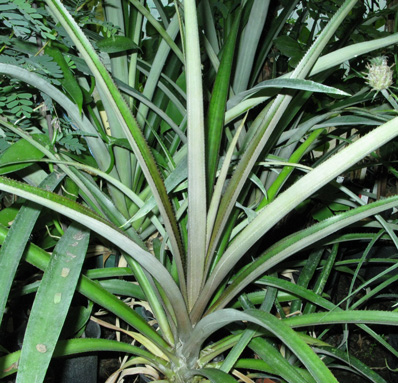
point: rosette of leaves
(199, 176)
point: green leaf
(353, 362)
(328, 211)
(267, 122)
(9, 362)
(117, 44)
(7, 215)
(131, 130)
(141, 8)
(52, 303)
(214, 375)
(214, 321)
(97, 147)
(69, 81)
(339, 56)
(103, 227)
(349, 316)
(280, 365)
(14, 245)
(121, 287)
(20, 151)
(94, 292)
(299, 240)
(158, 66)
(77, 319)
(250, 40)
(216, 113)
(196, 156)
(289, 47)
(287, 83)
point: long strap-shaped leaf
(166, 37)
(96, 223)
(314, 298)
(268, 353)
(129, 126)
(213, 322)
(156, 70)
(68, 347)
(97, 146)
(196, 155)
(325, 62)
(249, 43)
(345, 316)
(97, 294)
(297, 193)
(216, 113)
(354, 363)
(299, 241)
(17, 238)
(256, 146)
(268, 125)
(51, 304)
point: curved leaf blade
(130, 128)
(14, 244)
(99, 225)
(280, 365)
(297, 241)
(96, 293)
(9, 362)
(297, 193)
(353, 362)
(285, 83)
(214, 375)
(19, 151)
(265, 129)
(347, 316)
(116, 44)
(214, 321)
(52, 303)
(69, 82)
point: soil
(368, 351)
(363, 347)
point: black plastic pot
(80, 369)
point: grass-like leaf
(14, 245)
(214, 375)
(291, 339)
(267, 126)
(196, 156)
(99, 225)
(52, 303)
(305, 186)
(94, 292)
(130, 128)
(297, 241)
(9, 362)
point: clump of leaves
(216, 166)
